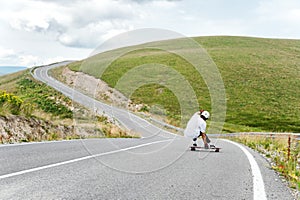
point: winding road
(157, 166)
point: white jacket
(194, 126)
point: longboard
(216, 149)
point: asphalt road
(157, 166)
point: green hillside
(261, 78)
(20, 94)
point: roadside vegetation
(22, 95)
(11, 104)
(282, 151)
(261, 77)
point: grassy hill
(261, 78)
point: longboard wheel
(193, 149)
(217, 150)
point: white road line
(259, 192)
(77, 159)
(42, 142)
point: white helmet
(205, 114)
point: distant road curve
(157, 166)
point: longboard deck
(216, 149)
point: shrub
(10, 102)
(45, 98)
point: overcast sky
(36, 32)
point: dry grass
(282, 150)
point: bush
(10, 103)
(45, 98)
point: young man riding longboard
(196, 127)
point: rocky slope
(15, 129)
(97, 88)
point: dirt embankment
(98, 89)
(15, 129)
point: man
(196, 127)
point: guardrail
(267, 134)
(166, 125)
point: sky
(38, 32)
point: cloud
(33, 60)
(28, 26)
(12, 57)
(88, 38)
(30, 16)
(147, 1)
(278, 18)
(87, 24)
(75, 25)
(6, 53)
(83, 24)
(28, 60)
(282, 11)
(62, 2)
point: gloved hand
(207, 139)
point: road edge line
(259, 192)
(76, 160)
